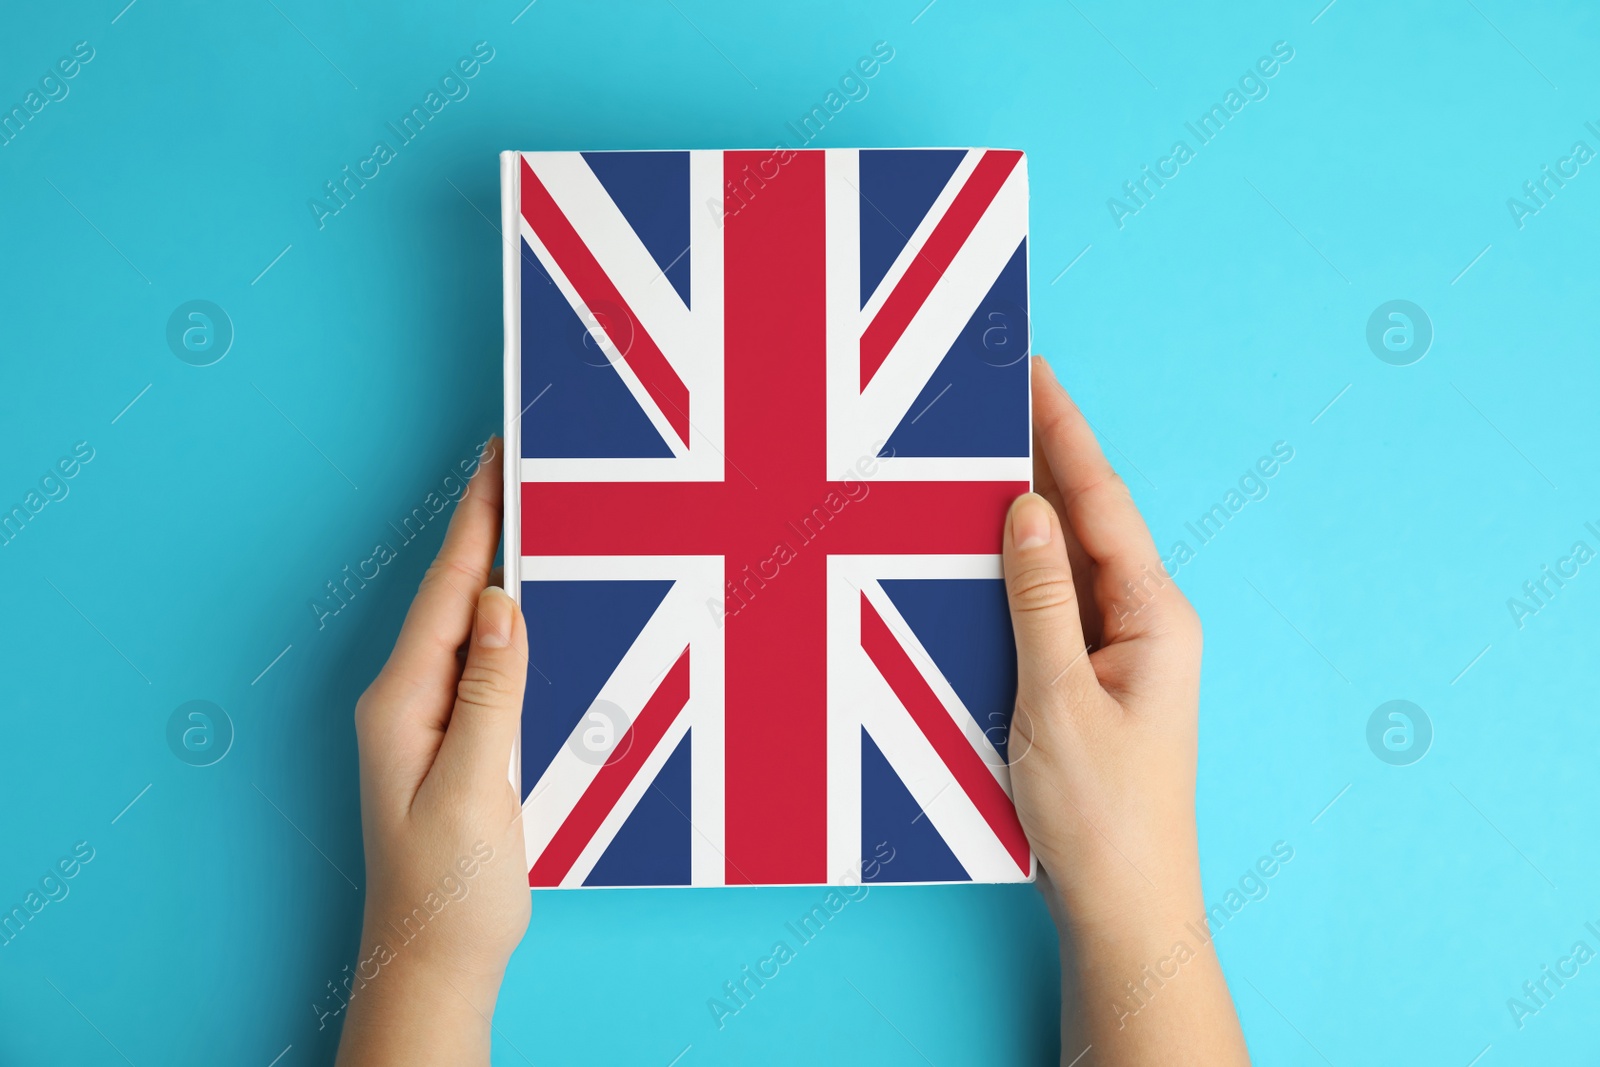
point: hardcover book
(765, 413)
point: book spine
(511, 442)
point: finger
(1083, 568)
(440, 618)
(476, 753)
(1051, 656)
(1095, 502)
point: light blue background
(1223, 317)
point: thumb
(483, 726)
(1051, 656)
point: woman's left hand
(447, 876)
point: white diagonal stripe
(858, 696)
(858, 423)
(955, 298)
(690, 338)
(918, 238)
(680, 621)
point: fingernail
(494, 618)
(1030, 522)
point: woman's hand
(447, 879)
(1103, 753)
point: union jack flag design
(768, 410)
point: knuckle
(1047, 588)
(1117, 486)
(485, 687)
(1179, 618)
(454, 573)
(366, 708)
(1107, 481)
(1189, 623)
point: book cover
(765, 413)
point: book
(765, 414)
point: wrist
(1112, 895)
(407, 1008)
(430, 945)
